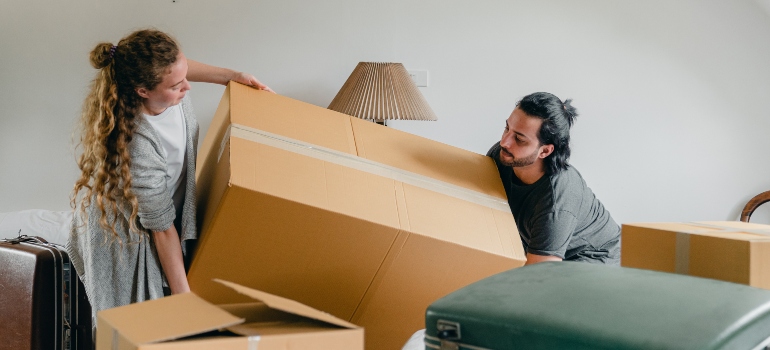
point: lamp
(380, 91)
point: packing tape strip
(115, 343)
(253, 342)
(682, 257)
(362, 164)
(223, 143)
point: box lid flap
(433, 159)
(738, 226)
(287, 305)
(167, 318)
(739, 230)
(282, 115)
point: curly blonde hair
(108, 120)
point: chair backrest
(752, 205)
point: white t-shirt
(172, 130)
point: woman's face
(170, 91)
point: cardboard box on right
(730, 251)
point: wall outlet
(420, 77)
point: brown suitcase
(42, 302)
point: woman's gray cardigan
(117, 273)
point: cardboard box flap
(737, 226)
(282, 115)
(279, 328)
(426, 157)
(168, 318)
(362, 164)
(287, 305)
(738, 230)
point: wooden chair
(752, 205)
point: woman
(135, 199)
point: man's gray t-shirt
(559, 215)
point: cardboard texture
(365, 222)
(268, 322)
(731, 251)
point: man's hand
(248, 79)
(534, 258)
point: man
(558, 216)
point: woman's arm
(170, 254)
(201, 72)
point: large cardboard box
(186, 321)
(365, 222)
(731, 251)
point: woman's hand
(248, 79)
(202, 72)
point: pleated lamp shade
(381, 91)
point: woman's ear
(142, 92)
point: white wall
(673, 95)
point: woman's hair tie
(112, 51)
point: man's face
(519, 146)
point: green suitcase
(571, 305)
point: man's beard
(519, 162)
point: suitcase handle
(26, 239)
(448, 330)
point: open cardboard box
(186, 321)
(730, 251)
(365, 222)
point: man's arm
(534, 258)
(551, 235)
(201, 72)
